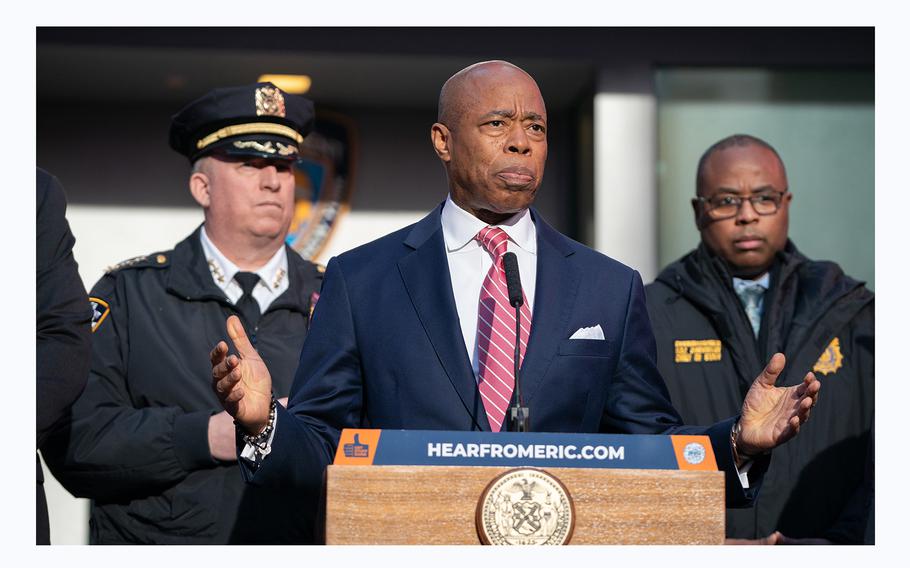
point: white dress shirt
(469, 263)
(273, 275)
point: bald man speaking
(414, 330)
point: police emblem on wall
(525, 506)
(323, 176)
(831, 360)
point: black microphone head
(513, 279)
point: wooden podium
(437, 504)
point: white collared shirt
(469, 263)
(273, 275)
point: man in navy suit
(401, 336)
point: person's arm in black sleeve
(852, 526)
(111, 448)
(63, 315)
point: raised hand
(242, 382)
(772, 415)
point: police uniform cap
(257, 120)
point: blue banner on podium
(538, 449)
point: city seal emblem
(694, 453)
(525, 506)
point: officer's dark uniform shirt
(822, 320)
(138, 442)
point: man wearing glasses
(745, 293)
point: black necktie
(247, 304)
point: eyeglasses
(725, 206)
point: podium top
(539, 449)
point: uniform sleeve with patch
(111, 448)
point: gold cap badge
(269, 102)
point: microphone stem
(518, 413)
(517, 357)
(519, 420)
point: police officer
(747, 292)
(148, 441)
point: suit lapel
(554, 296)
(425, 273)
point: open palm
(772, 415)
(242, 382)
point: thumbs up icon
(356, 450)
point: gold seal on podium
(525, 507)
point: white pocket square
(594, 332)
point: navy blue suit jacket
(385, 350)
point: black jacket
(62, 322)
(137, 444)
(820, 319)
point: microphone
(519, 415)
(513, 279)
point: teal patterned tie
(751, 295)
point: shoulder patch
(100, 311)
(159, 260)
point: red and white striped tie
(496, 332)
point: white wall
(625, 189)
